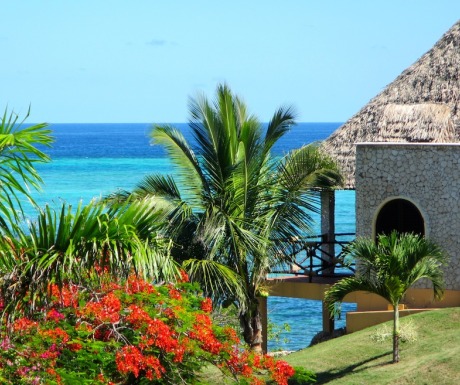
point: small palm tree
(233, 205)
(65, 246)
(388, 268)
(75, 245)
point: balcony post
(328, 230)
(328, 236)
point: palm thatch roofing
(420, 105)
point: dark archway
(400, 215)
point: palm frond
(230, 128)
(117, 197)
(157, 185)
(74, 243)
(308, 168)
(183, 157)
(214, 145)
(337, 292)
(217, 280)
(279, 124)
(294, 196)
(153, 260)
(20, 149)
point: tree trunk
(251, 323)
(396, 333)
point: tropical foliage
(233, 205)
(127, 332)
(91, 294)
(20, 149)
(74, 246)
(388, 268)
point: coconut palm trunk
(251, 323)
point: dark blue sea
(92, 160)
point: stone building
(411, 188)
(401, 153)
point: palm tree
(388, 268)
(65, 246)
(20, 149)
(75, 245)
(233, 205)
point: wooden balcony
(316, 258)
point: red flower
(56, 335)
(174, 293)
(24, 325)
(54, 315)
(232, 336)
(184, 276)
(107, 310)
(138, 317)
(131, 360)
(282, 372)
(206, 305)
(67, 295)
(136, 285)
(205, 335)
(74, 347)
(161, 328)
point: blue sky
(140, 60)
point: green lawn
(432, 358)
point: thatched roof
(421, 105)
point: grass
(430, 357)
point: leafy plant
(388, 268)
(127, 332)
(302, 376)
(274, 332)
(65, 246)
(407, 333)
(20, 149)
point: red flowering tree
(129, 332)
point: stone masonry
(427, 175)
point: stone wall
(428, 175)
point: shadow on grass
(325, 377)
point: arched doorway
(400, 215)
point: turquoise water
(81, 179)
(92, 160)
(302, 315)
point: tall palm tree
(20, 149)
(232, 204)
(388, 268)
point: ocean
(92, 160)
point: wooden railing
(315, 256)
